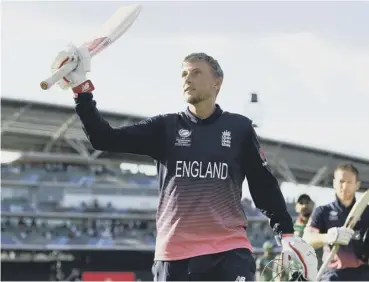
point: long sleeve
(264, 187)
(143, 138)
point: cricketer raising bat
(350, 222)
(111, 30)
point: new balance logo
(85, 86)
(240, 278)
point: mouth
(188, 89)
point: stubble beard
(193, 100)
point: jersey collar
(214, 116)
(339, 205)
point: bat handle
(58, 75)
(326, 261)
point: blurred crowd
(33, 231)
(82, 175)
(90, 231)
(27, 228)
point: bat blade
(351, 220)
(107, 34)
(112, 29)
(357, 210)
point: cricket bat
(350, 222)
(109, 32)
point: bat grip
(58, 75)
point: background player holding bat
(203, 155)
(325, 229)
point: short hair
(217, 70)
(348, 167)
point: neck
(204, 109)
(303, 218)
(346, 203)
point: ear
(358, 184)
(218, 83)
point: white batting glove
(339, 235)
(77, 79)
(296, 249)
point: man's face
(305, 207)
(346, 184)
(199, 81)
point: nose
(187, 80)
(187, 83)
(344, 186)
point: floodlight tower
(254, 109)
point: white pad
(295, 248)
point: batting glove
(77, 79)
(339, 235)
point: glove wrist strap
(84, 87)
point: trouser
(233, 265)
(360, 273)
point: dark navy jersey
(334, 215)
(201, 167)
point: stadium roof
(45, 130)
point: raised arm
(144, 138)
(264, 187)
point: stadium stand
(32, 128)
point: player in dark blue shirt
(203, 155)
(325, 227)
